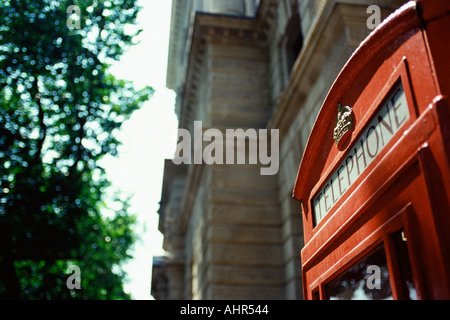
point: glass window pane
(401, 247)
(368, 279)
(316, 295)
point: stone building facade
(230, 232)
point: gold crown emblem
(344, 124)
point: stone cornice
(215, 28)
(212, 28)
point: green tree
(60, 111)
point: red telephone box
(374, 181)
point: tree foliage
(60, 112)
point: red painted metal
(407, 185)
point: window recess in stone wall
(292, 43)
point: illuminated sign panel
(392, 114)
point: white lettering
(198, 142)
(73, 21)
(74, 281)
(374, 280)
(215, 147)
(375, 19)
(384, 124)
(184, 147)
(241, 136)
(197, 310)
(258, 144)
(274, 157)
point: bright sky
(147, 138)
